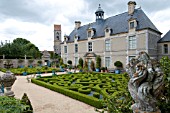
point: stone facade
(119, 40)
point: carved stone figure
(145, 84)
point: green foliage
(12, 105)
(39, 62)
(118, 64)
(164, 101)
(79, 86)
(98, 62)
(69, 62)
(19, 47)
(85, 67)
(61, 61)
(75, 95)
(25, 100)
(81, 62)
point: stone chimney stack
(77, 24)
(131, 7)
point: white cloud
(35, 20)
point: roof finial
(99, 6)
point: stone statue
(145, 84)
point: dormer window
(89, 34)
(132, 25)
(76, 37)
(108, 31)
(65, 38)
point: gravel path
(46, 101)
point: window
(107, 45)
(76, 61)
(107, 30)
(57, 37)
(165, 48)
(107, 61)
(132, 42)
(89, 33)
(76, 48)
(65, 49)
(132, 25)
(90, 46)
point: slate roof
(118, 24)
(165, 38)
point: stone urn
(8, 80)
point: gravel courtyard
(46, 101)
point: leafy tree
(164, 102)
(118, 64)
(19, 48)
(81, 62)
(98, 62)
(69, 62)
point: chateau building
(164, 45)
(117, 38)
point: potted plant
(102, 69)
(98, 63)
(118, 65)
(25, 71)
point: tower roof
(57, 27)
(99, 10)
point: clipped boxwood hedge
(75, 95)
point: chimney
(131, 7)
(77, 24)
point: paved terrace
(46, 101)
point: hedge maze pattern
(90, 87)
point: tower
(99, 14)
(57, 39)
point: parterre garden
(90, 88)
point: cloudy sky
(34, 19)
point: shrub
(12, 105)
(81, 62)
(82, 97)
(98, 62)
(69, 62)
(118, 64)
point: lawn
(90, 88)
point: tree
(69, 62)
(81, 62)
(118, 64)
(19, 48)
(98, 62)
(164, 101)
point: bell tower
(57, 39)
(99, 14)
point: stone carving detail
(145, 84)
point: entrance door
(89, 63)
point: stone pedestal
(8, 92)
(139, 111)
